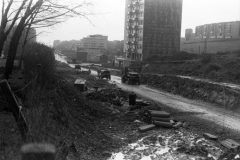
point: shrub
(206, 58)
(212, 67)
(153, 58)
(37, 53)
(183, 55)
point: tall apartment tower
(152, 27)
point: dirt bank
(221, 96)
(218, 68)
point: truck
(131, 75)
(104, 73)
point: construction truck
(131, 75)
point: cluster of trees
(27, 14)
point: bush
(206, 58)
(183, 55)
(37, 53)
(212, 67)
(153, 58)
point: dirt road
(206, 111)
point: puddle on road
(173, 145)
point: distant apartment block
(152, 27)
(218, 37)
(56, 43)
(216, 30)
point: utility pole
(205, 46)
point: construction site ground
(95, 126)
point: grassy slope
(219, 69)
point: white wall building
(95, 46)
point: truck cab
(131, 76)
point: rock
(146, 127)
(210, 136)
(163, 124)
(230, 144)
(161, 119)
(185, 125)
(134, 107)
(178, 125)
(161, 114)
(172, 121)
(107, 154)
(137, 121)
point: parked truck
(131, 75)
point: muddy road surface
(206, 110)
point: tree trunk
(1, 45)
(13, 48)
(3, 38)
(21, 58)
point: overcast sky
(111, 20)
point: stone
(210, 136)
(163, 124)
(161, 114)
(230, 144)
(146, 127)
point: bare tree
(44, 13)
(8, 19)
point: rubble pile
(111, 95)
(198, 90)
(169, 144)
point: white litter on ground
(171, 145)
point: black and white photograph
(119, 79)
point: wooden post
(14, 108)
(35, 151)
(39, 72)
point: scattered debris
(80, 84)
(169, 144)
(146, 127)
(161, 119)
(137, 121)
(210, 136)
(178, 125)
(113, 95)
(161, 114)
(230, 144)
(163, 124)
(186, 125)
(142, 102)
(132, 108)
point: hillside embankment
(195, 79)
(222, 96)
(216, 68)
